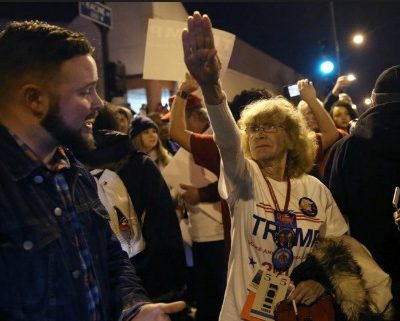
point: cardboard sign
(163, 58)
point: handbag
(321, 310)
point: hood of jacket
(359, 285)
(111, 147)
(379, 127)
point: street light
(326, 67)
(358, 39)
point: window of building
(137, 97)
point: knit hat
(192, 102)
(140, 124)
(388, 81)
(387, 86)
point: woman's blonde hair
(302, 145)
(163, 156)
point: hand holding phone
(395, 203)
(307, 91)
(396, 195)
(351, 77)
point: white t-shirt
(205, 219)
(253, 222)
(253, 225)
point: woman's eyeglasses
(254, 129)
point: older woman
(278, 211)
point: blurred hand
(158, 311)
(396, 216)
(199, 51)
(341, 83)
(189, 85)
(307, 292)
(307, 90)
(191, 194)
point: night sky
(298, 33)
(295, 32)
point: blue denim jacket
(40, 276)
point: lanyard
(282, 257)
(271, 191)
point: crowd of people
(195, 214)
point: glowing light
(367, 101)
(326, 67)
(351, 77)
(358, 39)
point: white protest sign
(163, 58)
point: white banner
(163, 58)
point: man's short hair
(36, 48)
(246, 97)
(201, 113)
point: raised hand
(341, 82)
(199, 51)
(307, 90)
(189, 85)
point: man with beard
(59, 258)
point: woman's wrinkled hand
(307, 292)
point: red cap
(192, 102)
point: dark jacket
(161, 265)
(40, 275)
(365, 168)
(329, 101)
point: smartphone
(395, 201)
(291, 91)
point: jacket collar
(15, 160)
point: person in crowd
(145, 138)
(153, 204)
(264, 177)
(319, 121)
(365, 171)
(264, 166)
(188, 117)
(162, 122)
(202, 148)
(124, 116)
(60, 260)
(342, 114)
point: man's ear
(35, 99)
